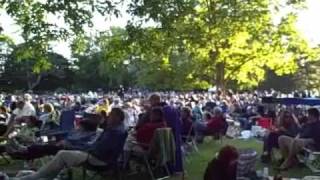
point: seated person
(246, 118)
(144, 134)
(224, 166)
(309, 136)
(215, 125)
(287, 124)
(79, 139)
(104, 119)
(49, 117)
(104, 151)
(217, 122)
(197, 112)
(186, 119)
(207, 116)
(25, 136)
(260, 113)
(24, 109)
(4, 117)
(143, 117)
(103, 105)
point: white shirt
(27, 110)
(129, 118)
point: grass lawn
(197, 162)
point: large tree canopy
(191, 44)
(230, 40)
(19, 72)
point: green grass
(197, 162)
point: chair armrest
(315, 152)
(53, 133)
(310, 151)
(140, 144)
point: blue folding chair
(66, 125)
(67, 120)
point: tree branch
(237, 68)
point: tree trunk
(220, 73)
(32, 83)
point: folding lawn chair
(67, 119)
(113, 167)
(161, 152)
(311, 159)
(189, 140)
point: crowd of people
(126, 122)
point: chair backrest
(121, 144)
(163, 146)
(67, 120)
(118, 150)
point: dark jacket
(80, 140)
(312, 131)
(109, 145)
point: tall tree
(19, 72)
(230, 40)
(103, 61)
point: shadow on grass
(196, 165)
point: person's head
(27, 98)
(48, 108)
(156, 115)
(3, 110)
(185, 113)
(217, 111)
(154, 99)
(286, 120)
(116, 117)
(228, 155)
(313, 114)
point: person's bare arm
(10, 126)
(296, 120)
